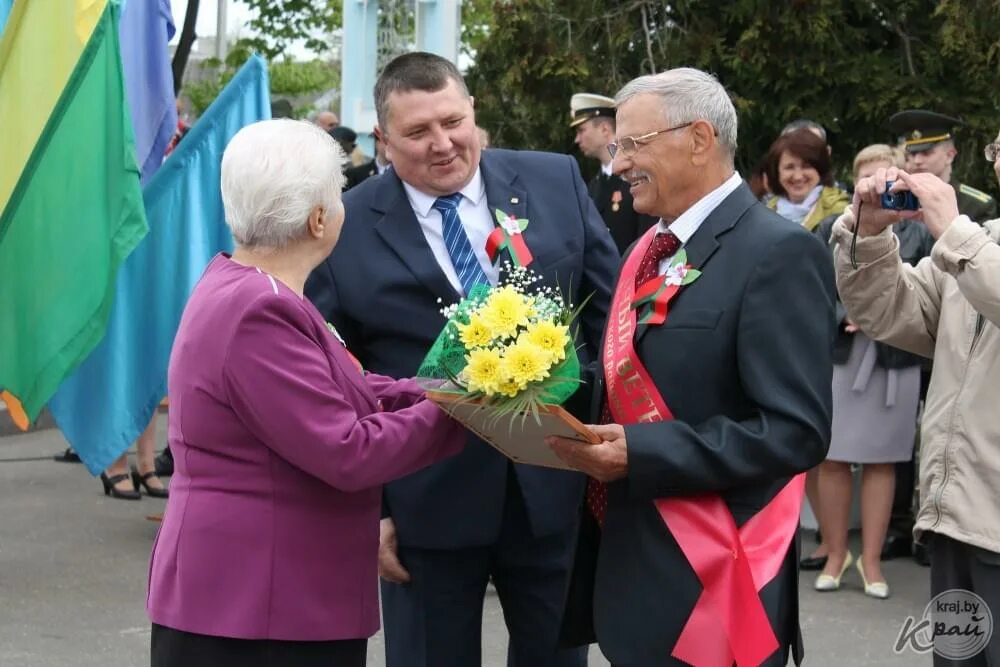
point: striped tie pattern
(463, 258)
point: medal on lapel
(616, 200)
(660, 291)
(507, 236)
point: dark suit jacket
(624, 223)
(355, 175)
(744, 363)
(384, 290)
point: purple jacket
(281, 447)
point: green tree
(848, 64)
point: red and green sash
(733, 564)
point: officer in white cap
(593, 117)
(927, 138)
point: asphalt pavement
(73, 578)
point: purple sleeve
(394, 394)
(279, 382)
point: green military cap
(920, 130)
(584, 106)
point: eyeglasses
(629, 146)
(992, 151)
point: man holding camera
(946, 308)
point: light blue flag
(145, 29)
(5, 6)
(108, 402)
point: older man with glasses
(716, 398)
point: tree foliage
(291, 79)
(848, 64)
(276, 24)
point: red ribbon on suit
(733, 564)
(507, 235)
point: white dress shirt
(606, 169)
(475, 216)
(690, 220)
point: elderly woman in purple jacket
(268, 550)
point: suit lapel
(705, 241)
(503, 193)
(401, 231)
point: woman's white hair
(687, 95)
(274, 173)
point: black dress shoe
(111, 490)
(812, 563)
(142, 480)
(69, 456)
(896, 546)
(163, 465)
(920, 555)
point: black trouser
(959, 565)
(436, 620)
(176, 648)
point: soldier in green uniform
(926, 137)
(593, 117)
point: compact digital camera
(899, 201)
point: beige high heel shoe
(827, 582)
(876, 589)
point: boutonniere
(507, 236)
(354, 360)
(660, 291)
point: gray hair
(274, 173)
(687, 95)
(419, 70)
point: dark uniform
(357, 174)
(921, 130)
(614, 202)
(610, 193)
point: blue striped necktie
(463, 258)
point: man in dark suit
(593, 118)
(414, 242)
(713, 411)
(374, 167)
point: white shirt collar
(606, 169)
(688, 223)
(422, 202)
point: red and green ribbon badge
(507, 236)
(659, 291)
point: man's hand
(868, 197)
(389, 567)
(605, 461)
(938, 203)
(851, 327)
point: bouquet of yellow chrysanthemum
(509, 347)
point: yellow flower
(524, 363)
(509, 387)
(505, 310)
(482, 371)
(475, 333)
(550, 337)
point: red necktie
(664, 245)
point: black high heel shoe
(111, 490)
(143, 481)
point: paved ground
(73, 578)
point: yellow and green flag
(71, 208)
